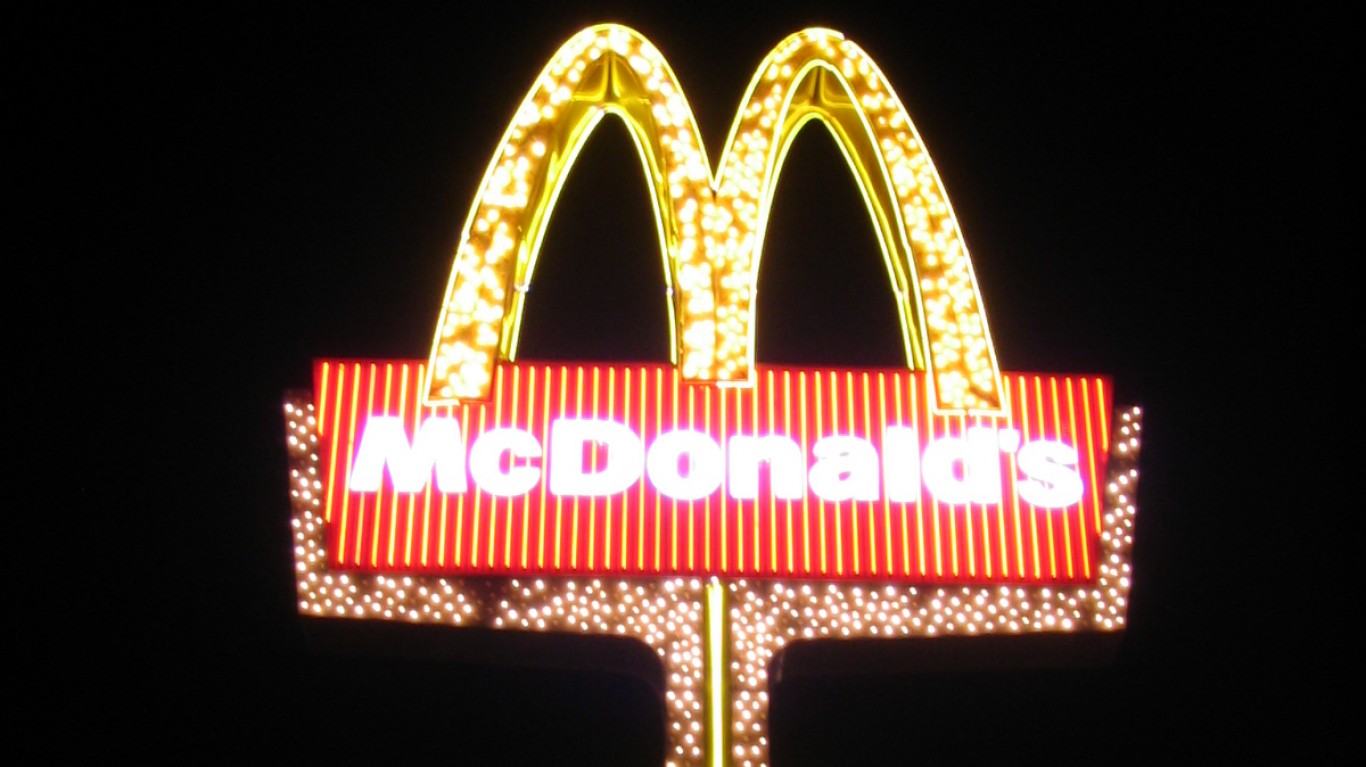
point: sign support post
(716, 667)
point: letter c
(487, 452)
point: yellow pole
(715, 667)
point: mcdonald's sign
(946, 497)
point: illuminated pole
(716, 668)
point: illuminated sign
(714, 508)
(711, 226)
(624, 469)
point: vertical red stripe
(939, 429)
(361, 526)
(804, 513)
(692, 518)
(905, 519)
(525, 533)
(1022, 400)
(1091, 452)
(320, 380)
(1049, 543)
(514, 420)
(424, 546)
(953, 507)
(673, 512)
(476, 513)
(445, 510)
(332, 480)
(459, 551)
(545, 467)
(400, 525)
(1066, 522)
(1083, 454)
(723, 519)
(769, 425)
(887, 552)
(823, 545)
(1013, 519)
(790, 529)
(706, 502)
(832, 390)
(673, 506)
(920, 415)
(1104, 420)
(639, 564)
(559, 500)
(343, 528)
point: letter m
(385, 443)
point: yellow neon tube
(711, 226)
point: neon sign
(623, 469)
(711, 226)
(715, 509)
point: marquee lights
(718, 523)
(669, 614)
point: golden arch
(711, 227)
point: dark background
(216, 195)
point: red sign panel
(623, 470)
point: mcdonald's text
(602, 458)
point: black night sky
(234, 191)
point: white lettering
(1050, 482)
(978, 476)
(385, 443)
(901, 464)
(845, 468)
(786, 469)
(705, 466)
(689, 465)
(568, 475)
(486, 456)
